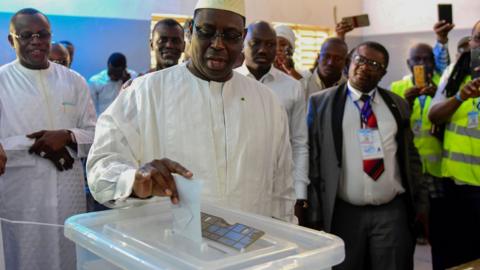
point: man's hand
(342, 28)
(471, 90)
(3, 160)
(442, 28)
(49, 141)
(300, 211)
(155, 178)
(411, 94)
(61, 159)
(429, 90)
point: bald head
(59, 54)
(475, 39)
(422, 54)
(260, 47)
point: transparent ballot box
(142, 238)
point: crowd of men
(329, 149)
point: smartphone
(445, 13)
(475, 62)
(358, 21)
(419, 77)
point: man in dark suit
(364, 168)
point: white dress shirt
(356, 187)
(290, 93)
(233, 135)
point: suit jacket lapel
(338, 108)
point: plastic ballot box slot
(142, 238)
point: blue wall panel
(95, 39)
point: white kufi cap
(236, 6)
(286, 32)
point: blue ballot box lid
(142, 238)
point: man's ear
(151, 44)
(10, 40)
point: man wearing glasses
(198, 119)
(363, 165)
(47, 124)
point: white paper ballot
(186, 214)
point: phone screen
(419, 76)
(475, 62)
(445, 13)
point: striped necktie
(373, 167)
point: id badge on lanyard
(370, 143)
(473, 115)
(417, 125)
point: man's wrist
(442, 40)
(458, 97)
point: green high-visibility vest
(461, 155)
(428, 146)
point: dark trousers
(376, 237)
(455, 225)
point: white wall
(407, 16)
(314, 12)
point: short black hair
(334, 41)
(167, 22)
(24, 11)
(377, 47)
(117, 60)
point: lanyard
(366, 110)
(422, 99)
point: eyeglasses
(231, 37)
(29, 36)
(374, 65)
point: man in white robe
(228, 130)
(47, 123)
(260, 50)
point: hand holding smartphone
(357, 21)
(445, 13)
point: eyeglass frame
(375, 65)
(32, 36)
(216, 35)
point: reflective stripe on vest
(461, 157)
(470, 132)
(469, 159)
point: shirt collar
(319, 81)
(271, 75)
(356, 94)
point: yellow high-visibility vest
(461, 154)
(428, 146)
